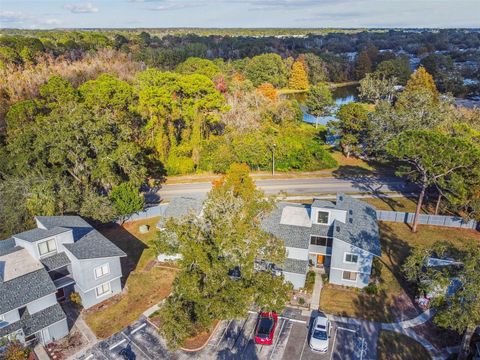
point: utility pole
(273, 158)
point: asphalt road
(302, 186)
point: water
(341, 95)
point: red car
(265, 328)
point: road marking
(89, 357)
(278, 338)
(249, 337)
(117, 344)
(223, 334)
(240, 332)
(294, 320)
(346, 329)
(138, 328)
(333, 344)
(131, 341)
(304, 343)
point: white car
(320, 335)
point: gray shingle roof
(55, 261)
(32, 323)
(39, 234)
(7, 246)
(361, 230)
(79, 226)
(89, 243)
(181, 206)
(295, 266)
(94, 245)
(24, 289)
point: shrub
(371, 289)
(310, 281)
(75, 298)
(301, 301)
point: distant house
(41, 267)
(340, 237)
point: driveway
(234, 340)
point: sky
(46, 14)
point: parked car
(265, 328)
(320, 335)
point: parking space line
(223, 334)
(89, 357)
(346, 329)
(132, 342)
(304, 343)
(248, 338)
(333, 344)
(278, 338)
(240, 332)
(117, 344)
(138, 328)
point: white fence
(437, 220)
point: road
(302, 186)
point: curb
(206, 342)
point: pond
(341, 95)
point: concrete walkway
(317, 290)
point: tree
(266, 68)
(14, 350)
(126, 199)
(374, 88)
(421, 80)
(316, 68)
(298, 77)
(226, 237)
(431, 158)
(352, 125)
(268, 91)
(443, 71)
(398, 68)
(363, 65)
(319, 100)
(194, 65)
(459, 310)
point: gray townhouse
(339, 237)
(40, 268)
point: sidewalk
(317, 290)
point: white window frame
(49, 252)
(103, 273)
(109, 291)
(328, 218)
(350, 262)
(352, 272)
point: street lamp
(274, 146)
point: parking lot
(234, 340)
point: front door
(320, 259)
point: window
(322, 217)
(102, 271)
(350, 276)
(102, 289)
(47, 247)
(351, 258)
(320, 240)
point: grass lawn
(145, 284)
(392, 301)
(353, 162)
(404, 204)
(394, 346)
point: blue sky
(239, 13)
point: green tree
(375, 87)
(319, 100)
(226, 237)
(316, 68)
(431, 159)
(352, 125)
(57, 91)
(363, 65)
(126, 199)
(267, 68)
(298, 76)
(398, 68)
(195, 65)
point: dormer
(42, 243)
(325, 213)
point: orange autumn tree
(269, 91)
(298, 77)
(421, 80)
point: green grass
(394, 296)
(394, 346)
(403, 204)
(146, 285)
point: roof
(77, 224)
(295, 266)
(55, 261)
(88, 242)
(360, 228)
(25, 289)
(32, 323)
(17, 263)
(92, 246)
(181, 206)
(40, 234)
